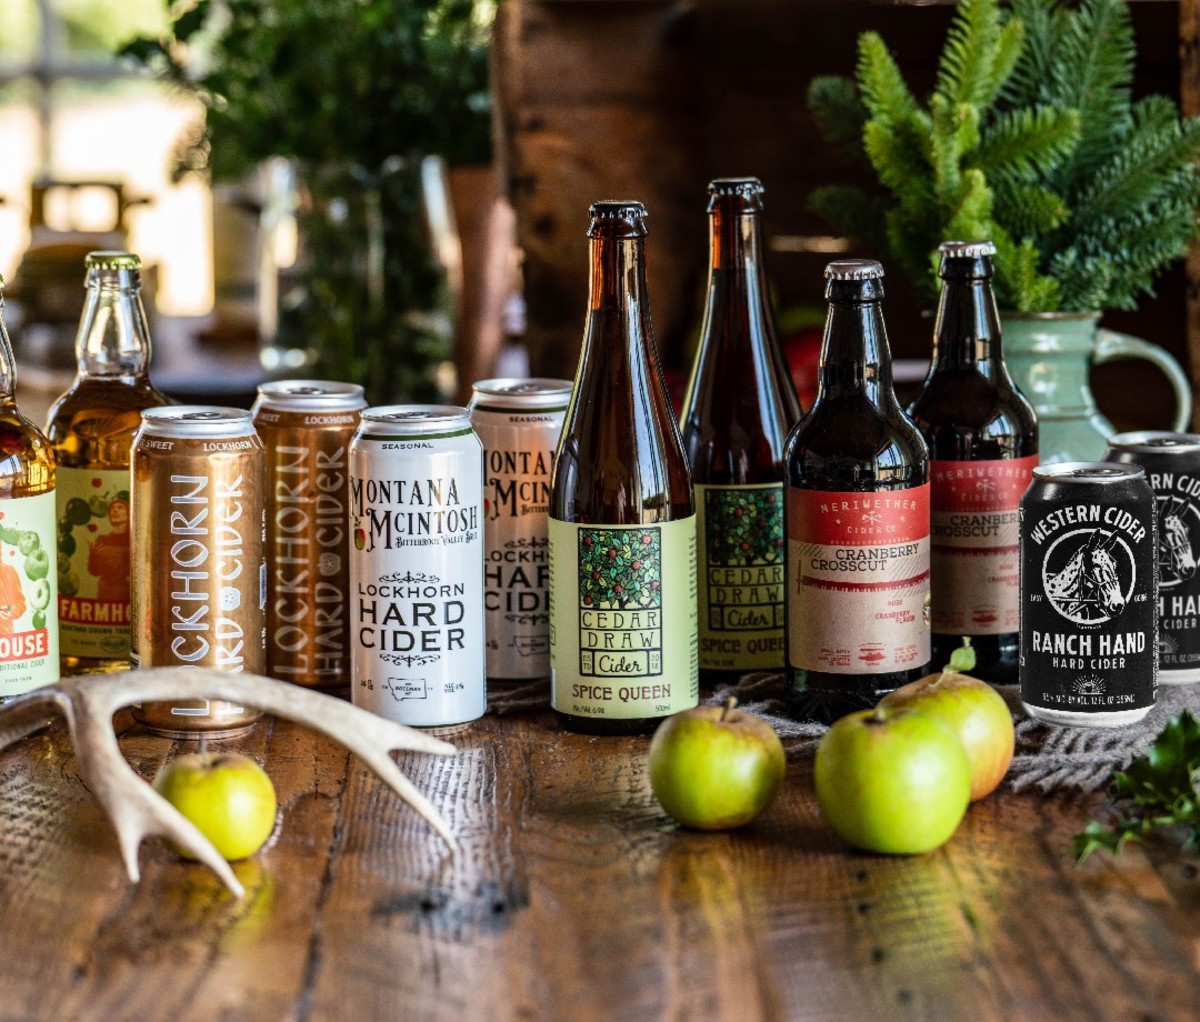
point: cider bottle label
(741, 576)
(623, 639)
(28, 594)
(975, 536)
(93, 562)
(858, 567)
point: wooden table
(573, 897)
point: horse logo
(1087, 588)
(1176, 559)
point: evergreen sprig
(1030, 139)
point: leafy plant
(1155, 791)
(1030, 139)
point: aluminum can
(518, 422)
(416, 566)
(306, 427)
(1089, 594)
(1172, 465)
(198, 574)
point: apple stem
(730, 703)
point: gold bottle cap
(112, 261)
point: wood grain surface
(572, 897)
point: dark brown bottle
(622, 522)
(983, 440)
(857, 517)
(739, 408)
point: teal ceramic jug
(1050, 355)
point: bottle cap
(627, 211)
(748, 189)
(854, 269)
(966, 249)
(112, 261)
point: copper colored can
(199, 577)
(306, 427)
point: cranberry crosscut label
(858, 568)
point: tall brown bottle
(857, 517)
(739, 408)
(982, 436)
(622, 523)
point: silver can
(416, 566)
(518, 422)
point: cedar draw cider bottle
(857, 517)
(622, 525)
(982, 436)
(739, 409)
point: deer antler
(137, 811)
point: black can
(1089, 594)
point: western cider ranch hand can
(306, 427)
(1089, 594)
(416, 566)
(1172, 465)
(518, 422)
(198, 573)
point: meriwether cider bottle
(28, 590)
(92, 427)
(622, 526)
(857, 517)
(982, 436)
(739, 408)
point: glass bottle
(622, 523)
(28, 589)
(857, 517)
(983, 439)
(91, 427)
(739, 408)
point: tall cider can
(198, 591)
(518, 422)
(306, 427)
(1089, 594)
(416, 566)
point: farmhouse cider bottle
(92, 427)
(622, 526)
(982, 437)
(28, 593)
(738, 411)
(857, 517)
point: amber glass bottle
(982, 437)
(622, 524)
(28, 594)
(857, 517)
(91, 427)
(739, 408)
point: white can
(416, 566)
(518, 423)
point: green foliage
(1030, 139)
(1155, 791)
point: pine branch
(838, 112)
(965, 68)
(1026, 144)
(1020, 284)
(1028, 210)
(853, 212)
(881, 85)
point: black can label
(1178, 498)
(1088, 614)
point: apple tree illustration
(620, 568)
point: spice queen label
(623, 627)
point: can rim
(415, 418)
(197, 421)
(310, 395)
(1155, 441)
(1100, 472)
(522, 392)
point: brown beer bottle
(739, 408)
(857, 517)
(982, 436)
(622, 526)
(91, 427)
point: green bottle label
(93, 562)
(28, 594)
(741, 576)
(623, 628)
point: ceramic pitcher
(1050, 354)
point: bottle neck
(855, 358)
(735, 266)
(8, 364)
(966, 334)
(114, 337)
(618, 279)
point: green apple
(715, 767)
(892, 781)
(37, 564)
(228, 796)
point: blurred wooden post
(1189, 99)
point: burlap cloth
(1048, 758)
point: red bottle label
(858, 568)
(975, 538)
